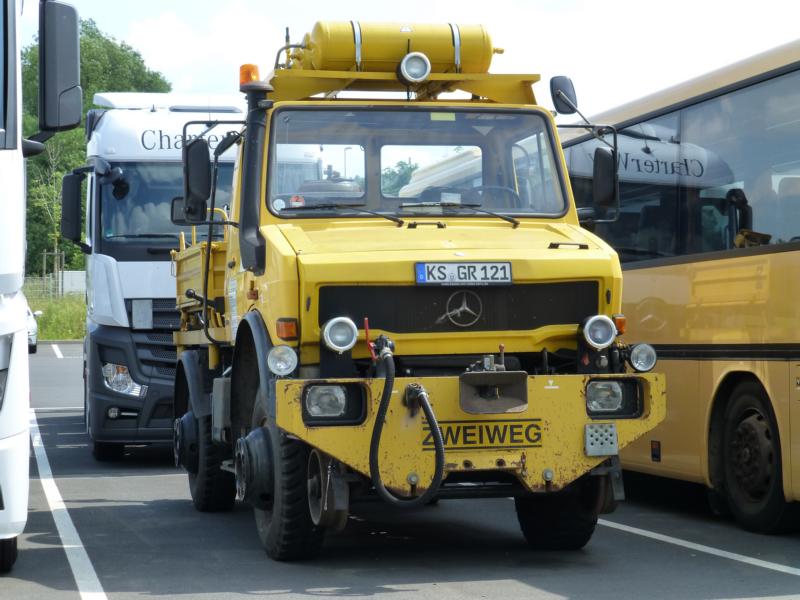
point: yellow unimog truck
(397, 300)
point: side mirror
(177, 214)
(60, 93)
(562, 93)
(605, 182)
(71, 207)
(196, 180)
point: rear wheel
(284, 523)
(560, 521)
(8, 554)
(212, 489)
(753, 476)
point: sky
(614, 51)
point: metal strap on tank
(456, 46)
(357, 40)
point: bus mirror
(177, 214)
(605, 183)
(562, 93)
(60, 93)
(71, 207)
(196, 180)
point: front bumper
(543, 445)
(152, 422)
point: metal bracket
(600, 439)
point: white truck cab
(134, 144)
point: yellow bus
(708, 232)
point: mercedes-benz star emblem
(464, 308)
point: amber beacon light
(248, 74)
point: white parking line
(57, 351)
(86, 579)
(701, 548)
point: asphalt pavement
(128, 530)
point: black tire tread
(212, 489)
(777, 516)
(292, 535)
(8, 554)
(561, 521)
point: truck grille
(155, 348)
(417, 309)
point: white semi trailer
(59, 109)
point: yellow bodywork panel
(547, 434)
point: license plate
(459, 273)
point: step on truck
(132, 173)
(402, 303)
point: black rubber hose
(377, 430)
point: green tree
(394, 178)
(107, 65)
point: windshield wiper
(358, 207)
(171, 236)
(475, 207)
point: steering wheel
(473, 192)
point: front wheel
(753, 477)
(8, 554)
(284, 522)
(563, 520)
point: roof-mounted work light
(414, 68)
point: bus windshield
(138, 205)
(405, 162)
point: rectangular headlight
(333, 404)
(614, 398)
(118, 379)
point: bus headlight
(117, 378)
(329, 401)
(282, 360)
(340, 334)
(642, 357)
(599, 331)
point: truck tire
(212, 489)
(285, 528)
(560, 521)
(8, 554)
(751, 454)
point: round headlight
(282, 360)
(326, 401)
(340, 334)
(642, 357)
(599, 332)
(414, 68)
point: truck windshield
(138, 205)
(412, 161)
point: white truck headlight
(118, 379)
(604, 396)
(643, 357)
(340, 334)
(599, 332)
(282, 360)
(326, 401)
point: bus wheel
(562, 520)
(8, 554)
(752, 463)
(283, 521)
(212, 489)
